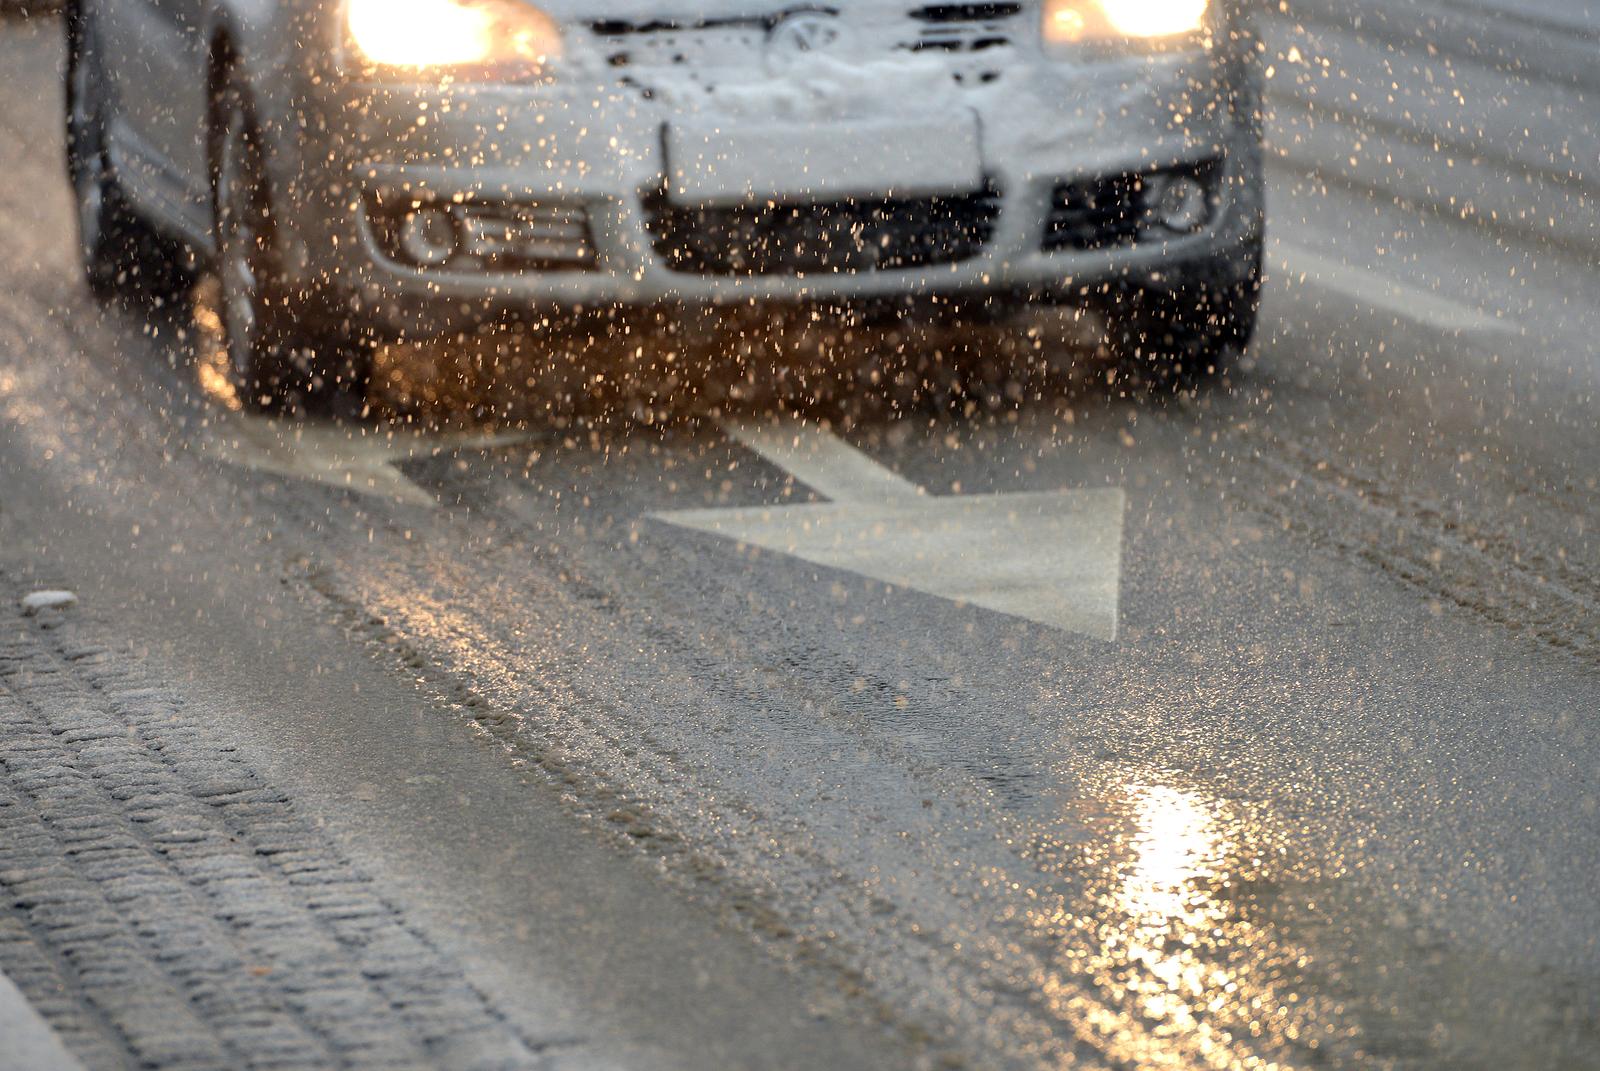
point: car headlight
(491, 36)
(1071, 22)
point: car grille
(699, 48)
(1094, 215)
(710, 48)
(834, 237)
(964, 27)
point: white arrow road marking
(1052, 557)
(1390, 295)
(823, 462)
(355, 459)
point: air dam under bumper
(454, 208)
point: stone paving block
(163, 906)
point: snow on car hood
(823, 88)
(855, 61)
(653, 11)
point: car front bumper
(1046, 136)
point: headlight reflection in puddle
(1167, 922)
(1175, 957)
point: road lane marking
(1051, 557)
(363, 460)
(1390, 295)
(30, 1042)
(823, 462)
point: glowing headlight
(498, 34)
(1069, 22)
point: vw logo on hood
(801, 35)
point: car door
(155, 57)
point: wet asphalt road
(1328, 798)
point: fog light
(1181, 205)
(428, 236)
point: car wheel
(275, 363)
(122, 257)
(1189, 330)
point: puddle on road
(1162, 931)
(1165, 957)
(1202, 938)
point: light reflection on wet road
(1177, 845)
(1188, 970)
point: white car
(357, 170)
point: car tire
(122, 257)
(276, 363)
(1189, 329)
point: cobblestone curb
(162, 906)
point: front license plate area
(741, 162)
